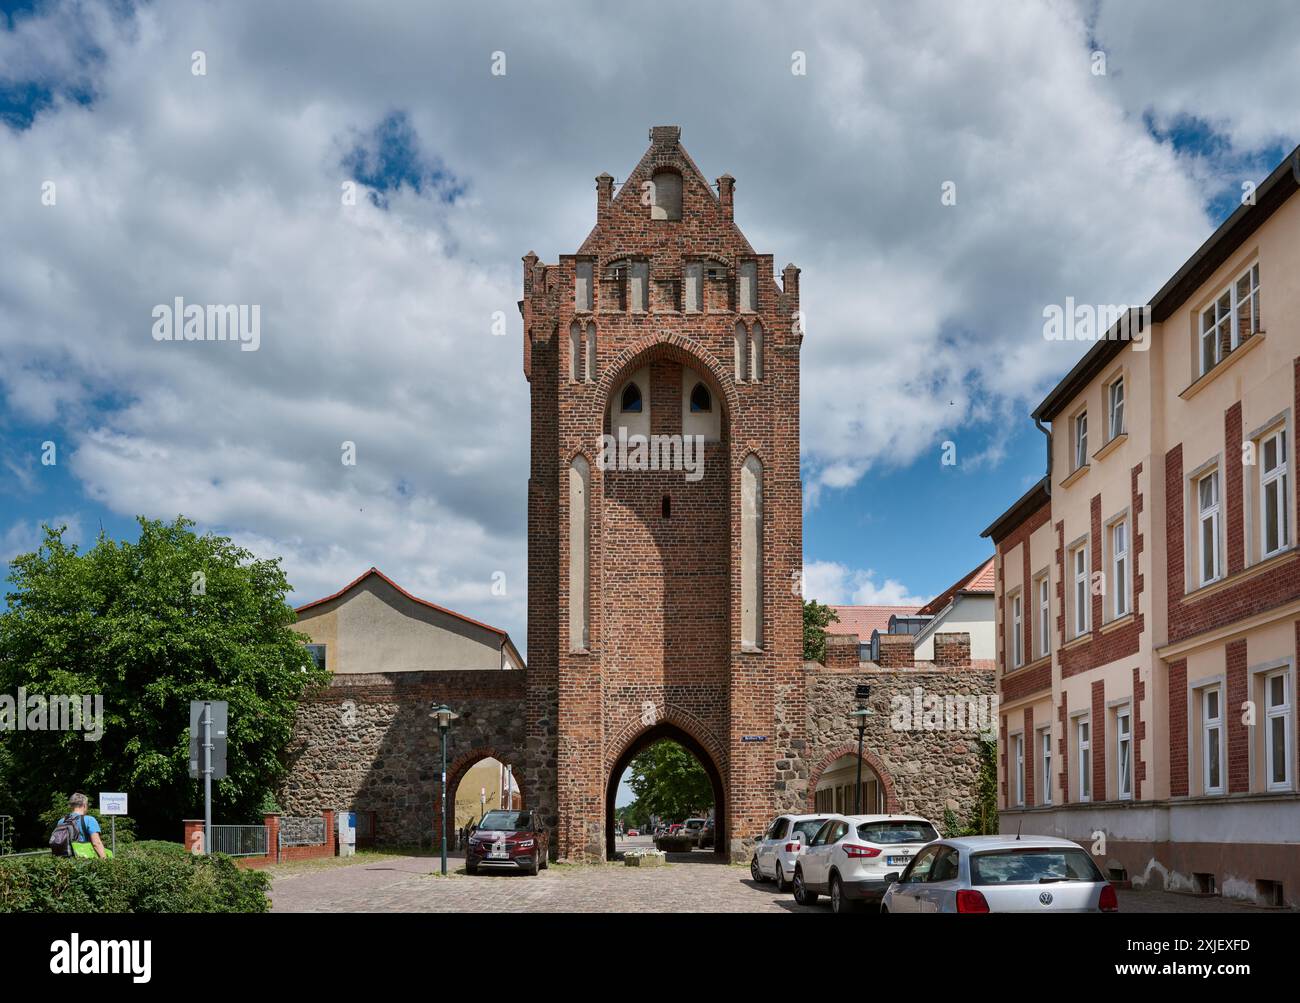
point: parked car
(675, 828)
(509, 840)
(855, 858)
(694, 828)
(709, 836)
(779, 847)
(1037, 874)
(633, 832)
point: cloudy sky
(1091, 148)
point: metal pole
(113, 829)
(443, 732)
(857, 790)
(207, 777)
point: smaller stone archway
(869, 758)
(667, 730)
(456, 771)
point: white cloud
(376, 325)
(835, 584)
(23, 536)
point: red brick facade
(665, 593)
(1178, 762)
(1232, 600)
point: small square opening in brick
(1204, 883)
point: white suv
(779, 848)
(851, 855)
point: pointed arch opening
(579, 554)
(692, 799)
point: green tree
(816, 618)
(669, 781)
(150, 626)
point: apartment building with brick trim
(1148, 587)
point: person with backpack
(77, 834)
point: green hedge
(147, 877)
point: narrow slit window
(666, 507)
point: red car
(633, 832)
(507, 840)
(674, 829)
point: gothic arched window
(631, 401)
(701, 399)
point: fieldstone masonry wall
(366, 743)
(924, 770)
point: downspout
(1048, 433)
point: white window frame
(1278, 712)
(1083, 755)
(1044, 616)
(1018, 745)
(1079, 430)
(1119, 568)
(1115, 406)
(1212, 724)
(1217, 317)
(1045, 755)
(1273, 480)
(1123, 750)
(1209, 513)
(1082, 604)
(1017, 632)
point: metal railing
(298, 830)
(6, 834)
(240, 840)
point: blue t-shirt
(88, 825)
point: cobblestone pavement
(692, 883)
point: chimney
(841, 651)
(604, 194)
(726, 195)
(952, 651)
(790, 280)
(665, 135)
(897, 651)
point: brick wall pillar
(1097, 740)
(193, 837)
(842, 651)
(1178, 728)
(331, 832)
(272, 823)
(726, 195)
(952, 650)
(897, 651)
(1238, 733)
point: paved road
(690, 883)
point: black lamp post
(444, 715)
(861, 696)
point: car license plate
(498, 852)
(899, 858)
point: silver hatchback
(1037, 874)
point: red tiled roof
(416, 599)
(979, 580)
(862, 620)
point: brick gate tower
(664, 506)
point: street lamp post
(861, 695)
(444, 715)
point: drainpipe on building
(1048, 433)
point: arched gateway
(664, 505)
(664, 556)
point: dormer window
(631, 400)
(701, 399)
